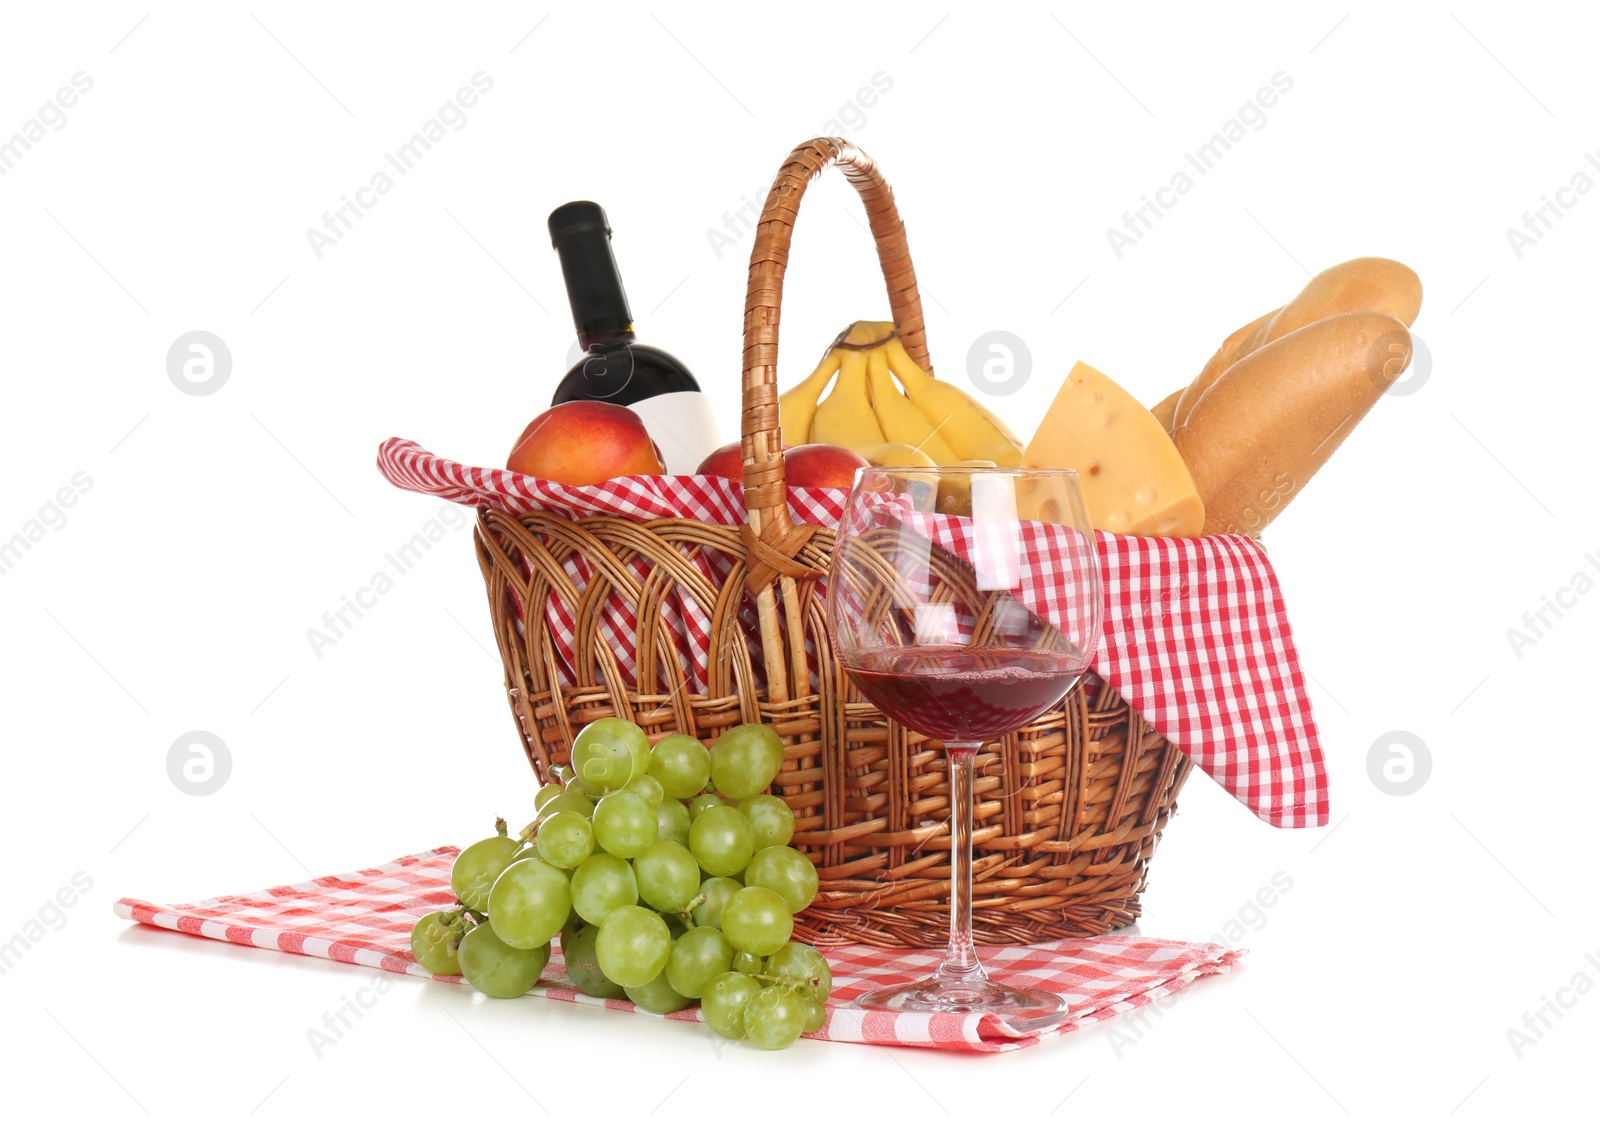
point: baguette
(1165, 410)
(1268, 423)
(1375, 285)
(1238, 343)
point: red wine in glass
(964, 693)
(931, 617)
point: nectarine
(726, 461)
(584, 442)
(822, 464)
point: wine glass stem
(960, 958)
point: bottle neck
(600, 339)
(582, 239)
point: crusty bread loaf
(1241, 341)
(1267, 424)
(1166, 409)
(1374, 285)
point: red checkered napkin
(1194, 636)
(366, 917)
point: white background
(219, 529)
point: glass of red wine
(965, 602)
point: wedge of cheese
(1132, 477)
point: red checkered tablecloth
(1195, 635)
(366, 917)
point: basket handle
(765, 491)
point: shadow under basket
(1067, 810)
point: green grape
(716, 891)
(722, 841)
(698, 957)
(658, 996)
(787, 872)
(574, 801)
(774, 1018)
(477, 867)
(565, 839)
(755, 920)
(609, 753)
(522, 855)
(745, 760)
(546, 793)
(496, 968)
(647, 788)
(672, 821)
(529, 903)
(434, 939)
(702, 804)
(602, 885)
(624, 824)
(805, 969)
(724, 1002)
(816, 1016)
(682, 764)
(667, 875)
(632, 946)
(771, 820)
(577, 948)
(748, 963)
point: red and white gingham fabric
(1194, 635)
(366, 918)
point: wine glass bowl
(964, 602)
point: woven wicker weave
(1067, 810)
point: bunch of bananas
(920, 421)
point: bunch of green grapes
(667, 875)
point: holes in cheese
(1132, 477)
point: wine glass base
(1018, 1007)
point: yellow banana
(798, 406)
(897, 454)
(899, 418)
(867, 333)
(845, 417)
(971, 429)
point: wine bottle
(615, 367)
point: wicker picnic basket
(1067, 810)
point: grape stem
(499, 826)
(785, 981)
